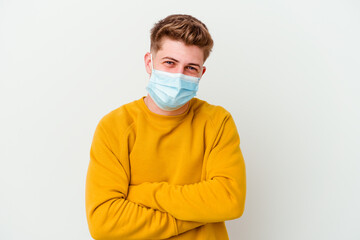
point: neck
(155, 109)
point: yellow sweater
(152, 176)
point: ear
(203, 71)
(147, 61)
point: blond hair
(184, 28)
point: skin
(174, 57)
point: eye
(169, 62)
(192, 69)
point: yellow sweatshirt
(152, 176)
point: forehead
(180, 51)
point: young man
(168, 165)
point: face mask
(170, 91)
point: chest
(174, 154)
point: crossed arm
(160, 210)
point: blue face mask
(170, 91)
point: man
(168, 165)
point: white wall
(288, 71)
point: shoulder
(121, 118)
(215, 113)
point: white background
(288, 71)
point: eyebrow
(175, 60)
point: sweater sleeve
(109, 214)
(218, 198)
